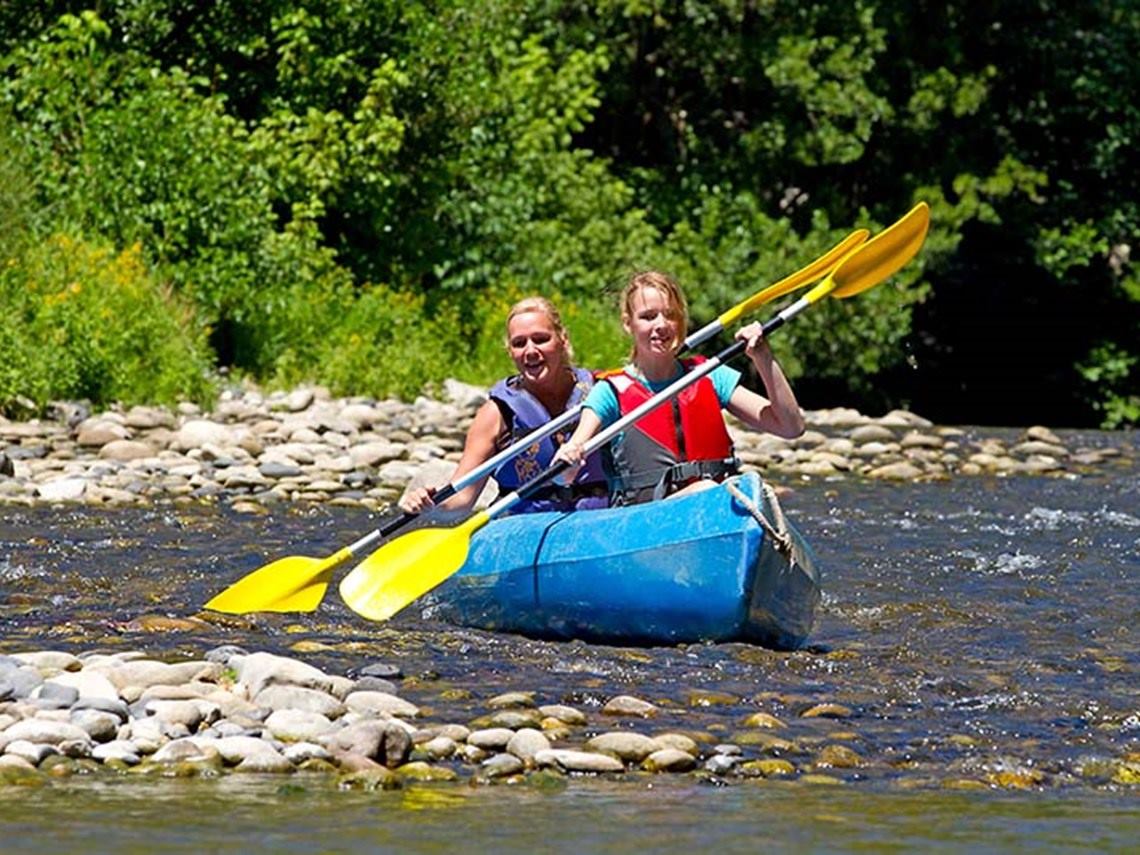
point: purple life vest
(523, 413)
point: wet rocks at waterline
(234, 712)
(240, 712)
(255, 450)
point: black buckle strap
(682, 474)
(571, 493)
(672, 478)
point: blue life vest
(523, 413)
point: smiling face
(654, 323)
(537, 347)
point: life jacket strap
(571, 493)
(672, 478)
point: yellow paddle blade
(883, 255)
(820, 267)
(294, 584)
(406, 568)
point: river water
(982, 632)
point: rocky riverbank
(231, 711)
(937, 667)
(255, 450)
(62, 714)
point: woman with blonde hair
(546, 385)
(683, 444)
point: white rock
(62, 489)
(144, 673)
(299, 752)
(373, 703)
(376, 453)
(464, 394)
(45, 731)
(49, 660)
(491, 738)
(33, 752)
(284, 697)
(258, 670)
(298, 725)
(199, 432)
(298, 400)
(118, 749)
(126, 449)
(191, 714)
(188, 749)
(100, 726)
(578, 761)
(526, 742)
(360, 415)
(235, 749)
(630, 747)
(90, 683)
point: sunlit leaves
(278, 162)
(941, 93)
(1111, 372)
(828, 80)
(1074, 245)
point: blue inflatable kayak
(718, 565)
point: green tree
(300, 171)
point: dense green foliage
(352, 191)
(82, 321)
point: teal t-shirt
(603, 401)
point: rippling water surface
(983, 631)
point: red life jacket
(675, 444)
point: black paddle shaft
(438, 497)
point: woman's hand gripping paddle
(404, 569)
(298, 584)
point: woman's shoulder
(507, 387)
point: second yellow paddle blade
(884, 254)
(294, 584)
(809, 274)
(402, 570)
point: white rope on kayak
(778, 531)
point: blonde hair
(678, 308)
(541, 304)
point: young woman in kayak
(683, 444)
(546, 385)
